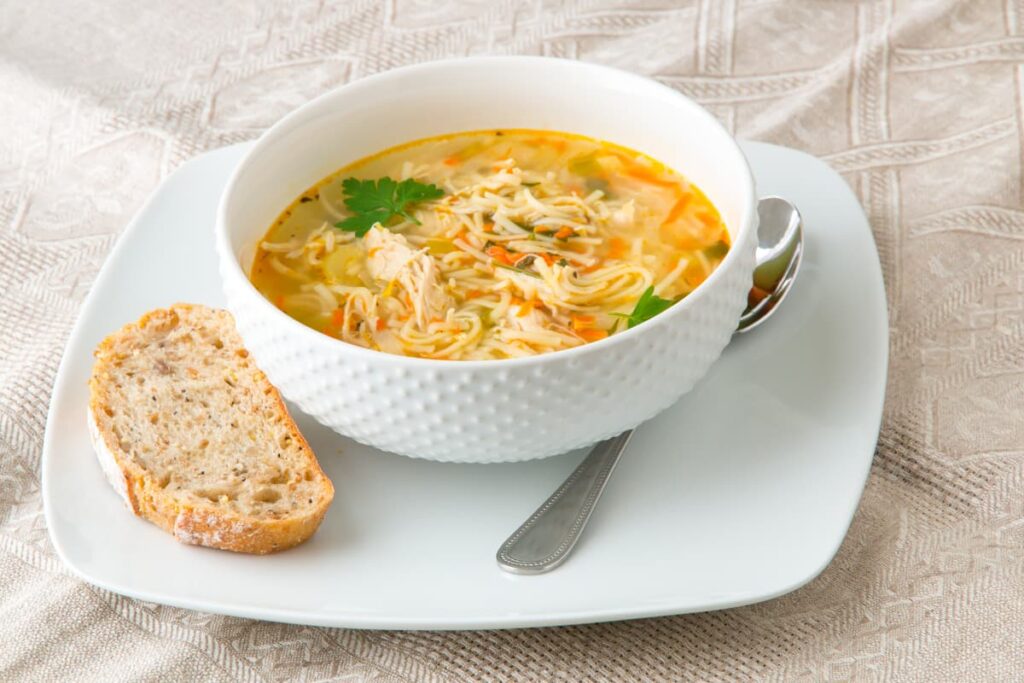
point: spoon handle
(546, 538)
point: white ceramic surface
(488, 411)
(740, 492)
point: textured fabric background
(917, 102)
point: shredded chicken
(533, 327)
(395, 264)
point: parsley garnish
(647, 306)
(378, 201)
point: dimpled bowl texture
(504, 410)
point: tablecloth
(916, 102)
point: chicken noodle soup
(488, 245)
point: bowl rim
(293, 119)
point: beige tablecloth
(918, 104)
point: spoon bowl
(779, 254)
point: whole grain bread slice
(195, 438)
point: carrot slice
(499, 254)
(581, 322)
(592, 334)
(643, 173)
(677, 209)
(526, 308)
(617, 247)
(710, 221)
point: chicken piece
(507, 175)
(391, 259)
(535, 325)
(533, 320)
(625, 217)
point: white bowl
(499, 410)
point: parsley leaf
(647, 306)
(378, 201)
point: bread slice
(196, 439)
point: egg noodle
(541, 241)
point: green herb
(543, 233)
(647, 306)
(563, 262)
(378, 201)
(717, 250)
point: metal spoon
(545, 540)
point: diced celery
(439, 246)
(717, 250)
(343, 265)
(586, 165)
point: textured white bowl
(488, 411)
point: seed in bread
(195, 438)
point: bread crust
(210, 525)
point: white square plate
(710, 508)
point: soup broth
(490, 245)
